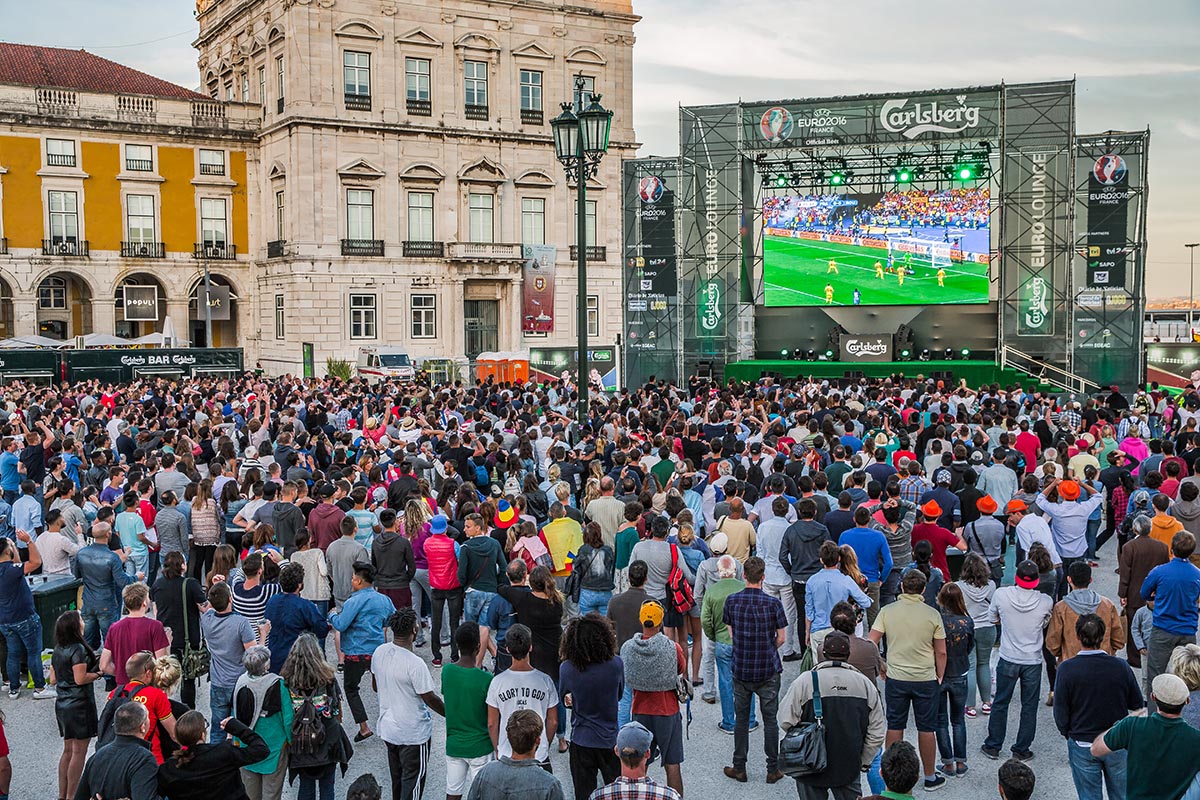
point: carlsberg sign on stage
(910, 122)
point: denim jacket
(103, 576)
(362, 620)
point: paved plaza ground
(33, 738)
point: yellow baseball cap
(651, 614)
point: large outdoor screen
(905, 247)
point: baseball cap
(942, 476)
(1027, 575)
(651, 614)
(379, 495)
(931, 509)
(1141, 497)
(836, 646)
(634, 739)
(718, 543)
(1169, 689)
(977, 457)
(1069, 490)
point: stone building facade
(403, 157)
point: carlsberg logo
(926, 117)
(710, 306)
(1035, 314)
(857, 347)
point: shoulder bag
(196, 661)
(802, 751)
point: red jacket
(442, 554)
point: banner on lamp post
(216, 298)
(537, 302)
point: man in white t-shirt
(521, 687)
(405, 689)
(1030, 528)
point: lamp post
(1191, 285)
(580, 142)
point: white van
(381, 363)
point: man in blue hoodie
(361, 623)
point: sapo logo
(710, 306)
(859, 347)
(928, 117)
(1035, 314)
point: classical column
(104, 315)
(25, 321)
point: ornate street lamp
(580, 142)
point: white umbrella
(169, 337)
(19, 342)
(106, 340)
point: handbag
(573, 585)
(196, 661)
(802, 751)
(679, 591)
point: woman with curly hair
(310, 678)
(591, 679)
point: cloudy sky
(1137, 65)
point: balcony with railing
(419, 108)
(214, 251)
(532, 116)
(60, 159)
(105, 106)
(475, 112)
(422, 249)
(212, 169)
(483, 251)
(358, 102)
(139, 165)
(64, 247)
(367, 248)
(275, 248)
(143, 250)
(591, 252)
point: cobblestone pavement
(35, 745)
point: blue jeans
(1093, 529)
(625, 707)
(96, 622)
(952, 720)
(1007, 677)
(24, 637)
(310, 786)
(1092, 774)
(138, 562)
(592, 600)
(724, 656)
(874, 776)
(475, 606)
(979, 669)
(220, 703)
(323, 607)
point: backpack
(481, 474)
(308, 728)
(106, 727)
(679, 591)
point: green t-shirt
(1162, 756)
(663, 470)
(623, 544)
(465, 692)
(910, 626)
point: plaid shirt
(634, 789)
(755, 617)
(1070, 419)
(912, 488)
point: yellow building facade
(114, 204)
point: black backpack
(308, 728)
(106, 727)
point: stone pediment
(422, 173)
(533, 50)
(358, 29)
(419, 38)
(483, 171)
(477, 41)
(534, 179)
(586, 55)
(360, 169)
(278, 171)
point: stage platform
(977, 373)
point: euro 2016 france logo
(650, 189)
(1109, 169)
(776, 124)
